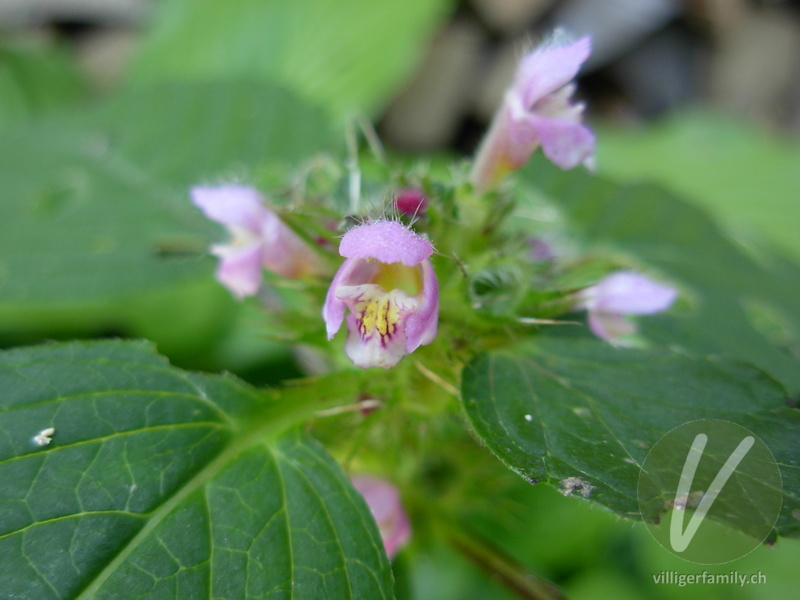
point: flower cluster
(386, 287)
(385, 290)
(387, 281)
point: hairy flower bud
(411, 202)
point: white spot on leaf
(528, 418)
(683, 501)
(576, 484)
(44, 437)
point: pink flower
(537, 111)
(619, 294)
(389, 286)
(260, 239)
(383, 501)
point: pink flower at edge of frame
(383, 501)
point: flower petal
(239, 268)
(630, 293)
(232, 205)
(549, 67)
(383, 501)
(285, 253)
(386, 241)
(566, 143)
(610, 326)
(372, 351)
(352, 272)
(376, 325)
(422, 324)
(521, 133)
(537, 110)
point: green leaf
(741, 174)
(36, 81)
(97, 232)
(581, 408)
(160, 483)
(347, 55)
(80, 226)
(191, 132)
(719, 278)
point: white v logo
(678, 538)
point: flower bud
(411, 202)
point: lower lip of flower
(377, 317)
(378, 311)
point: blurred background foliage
(111, 109)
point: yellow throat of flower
(378, 312)
(397, 276)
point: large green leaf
(96, 227)
(743, 175)
(82, 226)
(347, 54)
(36, 81)
(722, 281)
(583, 409)
(159, 483)
(191, 132)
